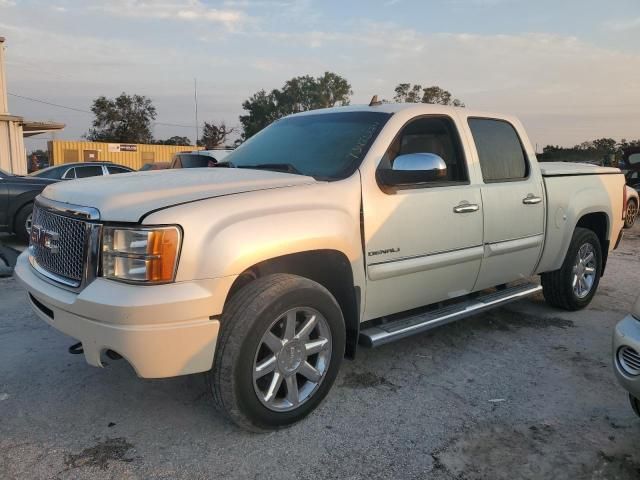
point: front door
(513, 200)
(423, 244)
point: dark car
(69, 171)
(633, 179)
(192, 160)
(155, 166)
(16, 202)
(630, 159)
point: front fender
(224, 236)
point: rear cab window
(500, 151)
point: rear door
(512, 199)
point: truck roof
(414, 108)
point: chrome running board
(389, 331)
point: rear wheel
(573, 285)
(279, 351)
(23, 220)
(631, 214)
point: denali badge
(384, 251)
(45, 238)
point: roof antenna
(374, 101)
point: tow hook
(76, 349)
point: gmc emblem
(45, 238)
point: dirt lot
(521, 392)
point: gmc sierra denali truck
(328, 229)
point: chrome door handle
(531, 199)
(466, 208)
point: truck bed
(574, 190)
(555, 169)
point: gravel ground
(525, 391)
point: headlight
(140, 255)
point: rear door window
(89, 171)
(114, 170)
(69, 174)
(500, 151)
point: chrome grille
(629, 360)
(65, 256)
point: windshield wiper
(278, 167)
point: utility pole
(195, 99)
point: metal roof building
(13, 129)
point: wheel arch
(15, 211)
(330, 268)
(598, 223)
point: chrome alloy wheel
(632, 211)
(584, 271)
(292, 359)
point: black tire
(247, 317)
(631, 214)
(19, 227)
(557, 286)
(635, 404)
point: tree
(214, 135)
(175, 140)
(592, 151)
(298, 94)
(124, 119)
(407, 93)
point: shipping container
(132, 155)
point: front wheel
(24, 218)
(573, 285)
(631, 214)
(281, 344)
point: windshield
(49, 172)
(4, 174)
(326, 146)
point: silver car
(626, 355)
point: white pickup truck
(329, 229)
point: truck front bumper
(161, 330)
(626, 339)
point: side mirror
(412, 169)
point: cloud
(188, 10)
(623, 25)
(7, 3)
(566, 89)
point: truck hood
(126, 197)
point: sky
(570, 69)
